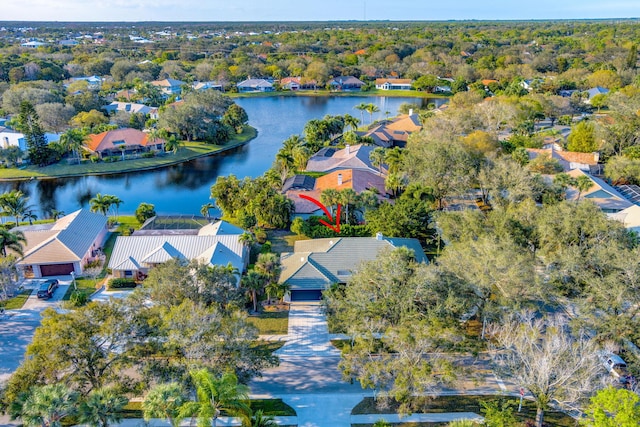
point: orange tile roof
(105, 140)
(486, 82)
(360, 52)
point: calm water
(185, 188)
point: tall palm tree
(329, 198)
(101, 407)
(393, 159)
(205, 210)
(254, 282)
(13, 240)
(371, 108)
(114, 201)
(362, 107)
(351, 121)
(582, 183)
(269, 265)
(348, 197)
(377, 157)
(301, 155)
(213, 395)
(15, 204)
(45, 406)
(164, 401)
(247, 239)
(73, 140)
(100, 204)
(29, 216)
(394, 183)
(56, 214)
(273, 289)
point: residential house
(93, 82)
(315, 265)
(394, 84)
(200, 86)
(64, 246)
(68, 42)
(594, 91)
(355, 179)
(346, 83)
(122, 142)
(630, 217)
(297, 83)
(10, 137)
(132, 107)
(442, 89)
(569, 160)
(33, 44)
(169, 86)
(255, 85)
(395, 132)
(330, 159)
(215, 244)
(607, 198)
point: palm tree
(300, 156)
(13, 240)
(164, 401)
(348, 197)
(102, 406)
(56, 214)
(273, 289)
(172, 144)
(30, 216)
(285, 161)
(269, 265)
(351, 121)
(100, 204)
(260, 420)
(393, 159)
(362, 107)
(582, 183)
(247, 239)
(377, 157)
(214, 395)
(371, 108)
(114, 201)
(205, 210)
(45, 406)
(14, 204)
(329, 198)
(73, 140)
(254, 282)
(394, 183)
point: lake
(184, 188)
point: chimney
(379, 236)
(596, 156)
(348, 148)
(339, 179)
(411, 111)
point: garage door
(312, 295)
(56, 269)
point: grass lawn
(18, 300)
(405, 425)
(271, 322)
(189, 151)
(88, 286)
(442, 404)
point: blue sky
(322, 10)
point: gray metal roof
(131, 252)
(317, 263)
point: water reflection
(185, 188)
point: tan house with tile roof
(396, 132)
(64, 246)
(608, 199)
(331, 159)
(114, 142)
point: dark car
(47, 288)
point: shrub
(94, 159)
(148, 155)
(261, 235)
(78, 298)
(266, 247)
(121, 283)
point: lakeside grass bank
(189, 151)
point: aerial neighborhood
(367, 223)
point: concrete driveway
(18, 326)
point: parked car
(47, 288)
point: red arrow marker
(336, 227)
